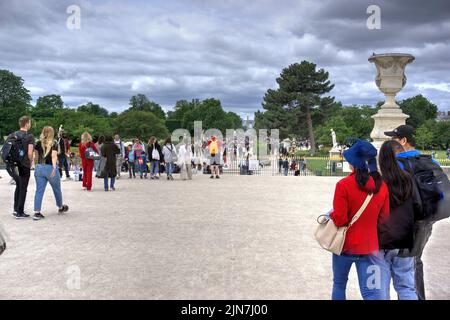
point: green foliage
(419, 109)
(209, 111)
(14, 102)
(351, 121)
(140, 102)
(46, 106)
(141, 124)
(433, 135)
(289, 108)
(94, 110)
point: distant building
(247, 123)
(443, 116)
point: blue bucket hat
(362, 155)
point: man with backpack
(17, 153)
(433, 186)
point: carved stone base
(387, 119)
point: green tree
(424, 136)
(46, 106)
(419, 109)
(142, 124)
(140, 102)
(14, 101)
(93, 110)
(212, 115)
(300, 89)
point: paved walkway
(241, 237)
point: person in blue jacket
(404, 134)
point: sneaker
(217, 177)
(171, 177)
(113, 188)
(22, 216)
(14, 213)
(212, 177)
(157, 178)
(168, 178)
(38, 216)
(63, 209)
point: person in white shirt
(185, 160)
(170, 154)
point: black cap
(404, 131)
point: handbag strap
(361, 210)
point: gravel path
(240, 237)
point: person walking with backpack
(120, 156)
(155, 156)
(109, 152)
(361, 241)
(214, 146)
(169, 154)
(46, 171)
(87, 164)
(398, 233)
(17, 153)
(433, 186)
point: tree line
(142, 118)
(300, 107)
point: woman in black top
(46, 171)
(397, 233)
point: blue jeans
(42, 174)
(401, 271)
(154, 167)
(369, 276)
(113, 181)
(169, 168)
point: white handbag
(332, 238)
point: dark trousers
(422, 234)
(21, 176)
(62, 160)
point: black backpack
(13, 151)
(433, 186)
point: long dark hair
(363, 175)
(399, 182)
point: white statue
(333, 137)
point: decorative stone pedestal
(390, 80)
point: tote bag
(332, 238)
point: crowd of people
(391, 233)
(109, 157)
(393, 230)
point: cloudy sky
(228, 49)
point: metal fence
(290, 166)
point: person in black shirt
(21, 172)
(63, 154)
(47, 172)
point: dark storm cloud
(232, 50)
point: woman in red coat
(361, 243)
(87, 164)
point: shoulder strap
(361, 210)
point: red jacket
(362, 236)
(82, 149)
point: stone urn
(390, 79)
